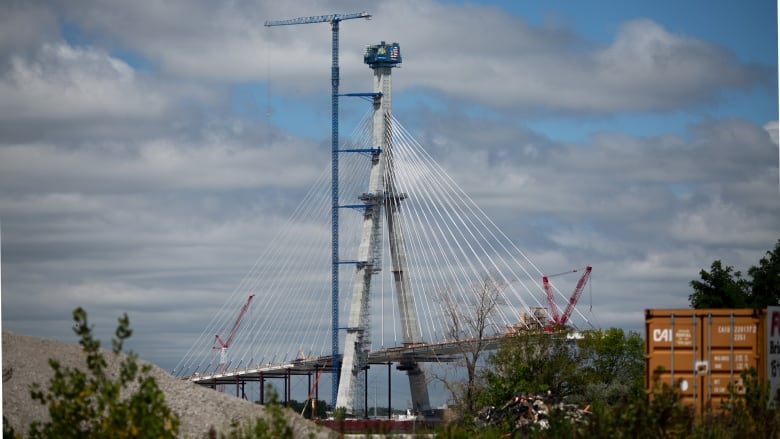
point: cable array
(455, 255)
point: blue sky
(154, 151)
(745, 30)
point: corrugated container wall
(702, 351)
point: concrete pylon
(381, 195)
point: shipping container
(702, 352)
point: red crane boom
(557, 318)
(550, 299)
(225, 344)
(576, 295)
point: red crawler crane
(562, 319)
(223, 345)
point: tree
(613, 363)
(721, 287)
(765, 285)
(603, 367)
(533, 362)
(97, 404)
(468, 322)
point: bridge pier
(262, 388)
(365, 393)
(316, 391)
(389, 391)
(287, 387)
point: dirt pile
(25, 360)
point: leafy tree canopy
(723, 287)
(601, 366)
(765, 287)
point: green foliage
(613, 366)
(663, 414)
(274, 426)
(455, 431)
(722, 287)
(602, 367)
(765, 286)
(306, 408)
(750, 412)
(8, 430)
(91, 404)
(340, 413)
(531, 363)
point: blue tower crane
(334, 20)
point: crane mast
(334, 20)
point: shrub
(91, 404)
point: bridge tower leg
(382, 194)
(355, 357)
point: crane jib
(318, 19)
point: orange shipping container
(702, 351)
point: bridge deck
(419, 352)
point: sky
(149, 150)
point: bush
(275, 427)
(95, 404)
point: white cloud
(223, 162)
(75, 83)
(772, 128)
(519, 66)
(515, 66)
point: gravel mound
(25, 360)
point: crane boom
(550, 299)
(234, 328)
(576, 295)
(318, 19)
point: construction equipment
(334, 20)
(309, 399)
(557, 318)
(224, 344)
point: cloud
(518, 66)
(772, 128)
(648, 68)
(24, 28)
(708, 189)
(75, 83)
(537, 68)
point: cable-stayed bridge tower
(334, 20)
(382, 198)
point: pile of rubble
(525, 412)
